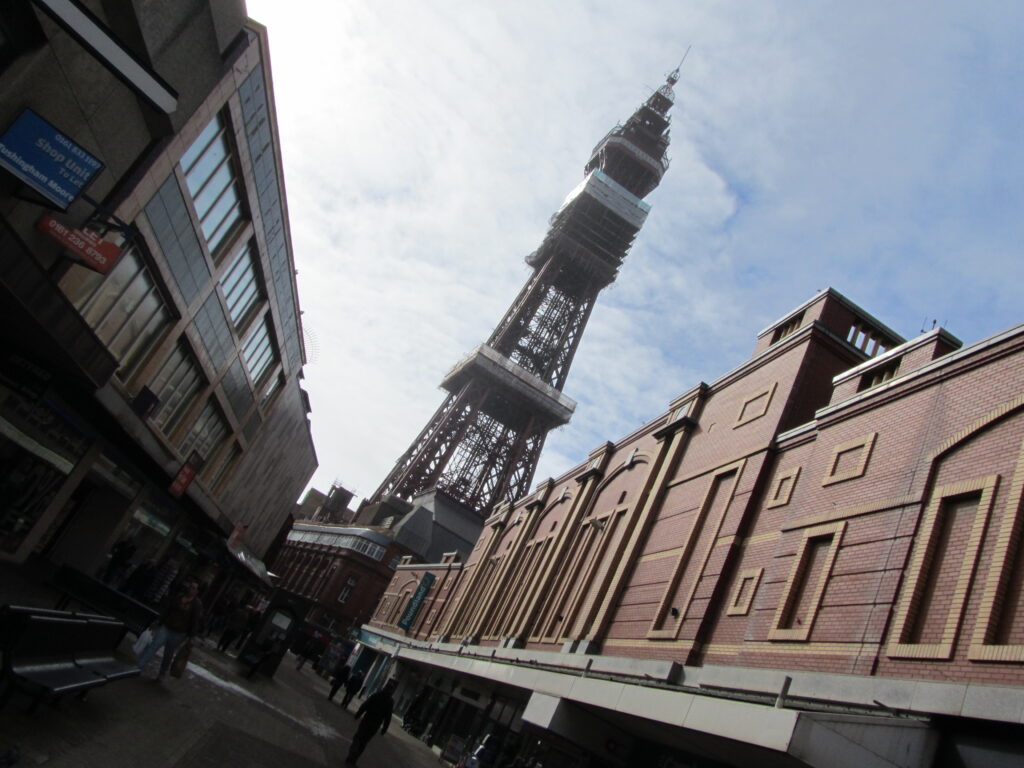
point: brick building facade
(812, 560)
(340, 569)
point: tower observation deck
(483, 443)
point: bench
(99, 639)
(50, 653)
(97, 596)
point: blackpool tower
(482, 445)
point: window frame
(210, 413)
(253, 350)
(219, 238)
(90, 294)
(186, 403)
(254, 287)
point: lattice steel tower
(482, 444)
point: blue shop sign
(413, 608)
(47, 160)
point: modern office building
(813, 560)
(151, 351)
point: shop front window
(38, 449)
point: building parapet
(948, 360)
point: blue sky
(874, 147)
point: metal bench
(100, 638)
(50, 654)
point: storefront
(44, 456)
(453, 714)
(76, 492)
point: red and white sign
(87, 247)
(182, 480)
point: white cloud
(872, 147)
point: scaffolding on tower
(482, 445)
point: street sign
(413, 608)
(85, 246)
(186, 474)
(47, 160)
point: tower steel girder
(541, 333)
(421, 464)
(483, 443)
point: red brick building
(342, 569)
(812, 560)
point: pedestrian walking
(179, 621)
(269, 649)
(375, 713)
(251, 625)
(341, 673)
(352, 686)
(117, 566)
(238, 620)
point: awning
(249, 561)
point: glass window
(259, 353)
(126, 309)
(198, 150)
(346, 590)
(213, 189)
(38, 449)
(273, 389)
(226, 466)
(176, 384)
(241, 286)
(207, 432)
(210, 176)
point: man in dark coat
(375, 713)
(352, 686)
(179, 621)
(341, 672)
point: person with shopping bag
(179, 621)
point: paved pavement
(212, 716)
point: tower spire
(673, 77)
(483, 443)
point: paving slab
(212, 716)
